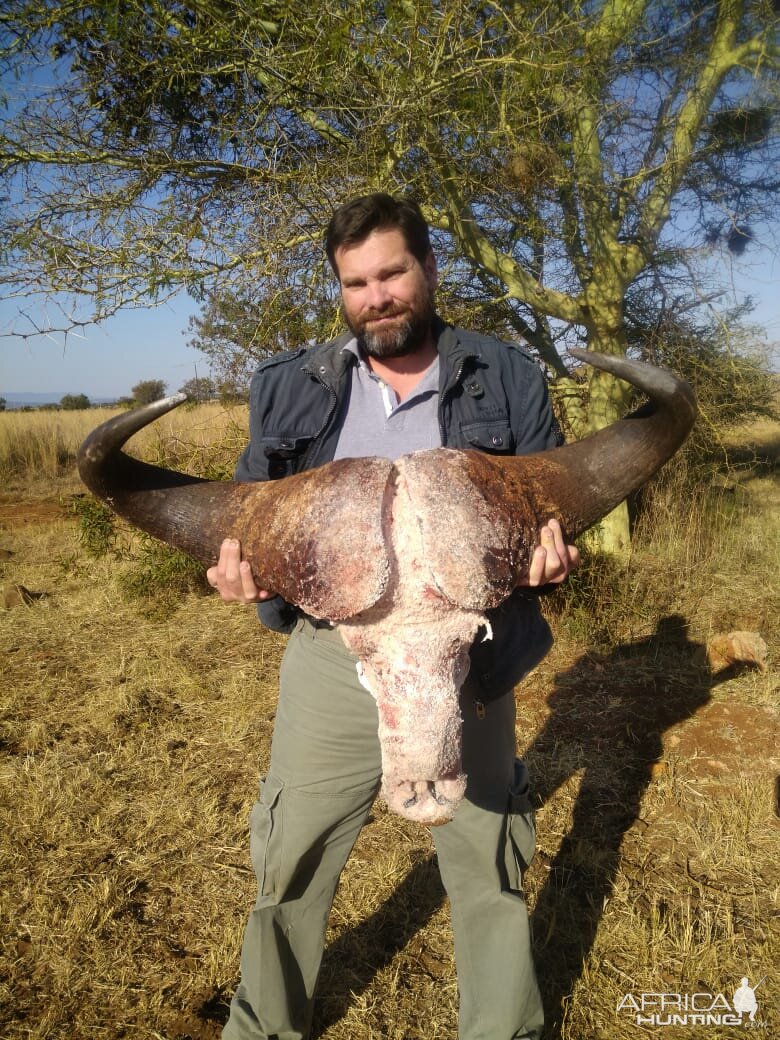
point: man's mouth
(383, 319)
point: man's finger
(557, 535)
(248, 585)
(537, 568)
(555, 551)
(229, 563)
(574, 557)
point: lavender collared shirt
(376, 424)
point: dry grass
(130, 750)
(42, 445)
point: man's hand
(553, 559)
(232, 576)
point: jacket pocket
(494, 437)
(278, 615)
(521, 638)
(520, 837)
(284, 454)
(265, 837)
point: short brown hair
(353, 222)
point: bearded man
(400, 380)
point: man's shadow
(353, 960)
(609, 714)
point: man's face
(387, 294)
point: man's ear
(431, 270)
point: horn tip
(162, 405)
(175, 399)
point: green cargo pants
(324, 775)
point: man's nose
(378, 295)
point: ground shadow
(351, 962)
(608, 716)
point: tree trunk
(607, 401)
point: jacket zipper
(306, 458)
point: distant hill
(24, 399)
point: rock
(724, 650)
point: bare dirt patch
(16, 512)
(728, 739)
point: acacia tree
(148, 390)
(74, 402)
(568, 153)
(199, 388)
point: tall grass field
(136, 714)
(41, 445)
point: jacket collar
(450, 347)
(330, 361)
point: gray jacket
(492, 397)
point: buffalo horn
(502, 501)
(314, 538)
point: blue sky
(100, 361)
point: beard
(404, 337)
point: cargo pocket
(520, 837)
(265, 837)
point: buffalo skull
(405, 556)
